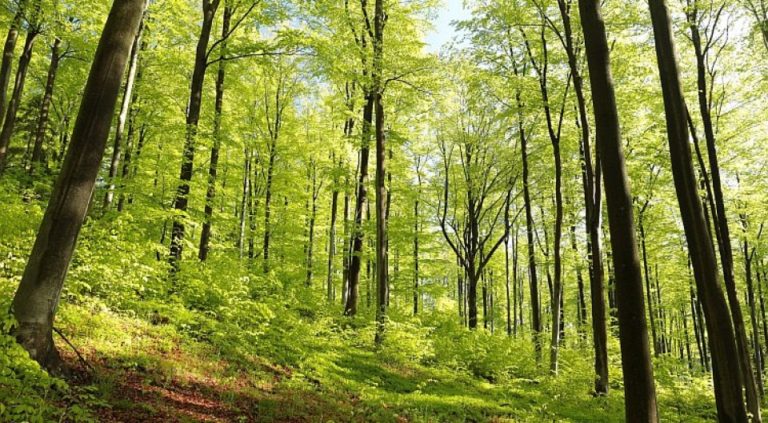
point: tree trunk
(332, 232)
(244, 201)
(312, 218)
(416, 227)
(727, 371)
(640, 391)
(506, 270)
(193, 118)
(210, 194)
(592, 201)
(382, 191)
(533, 280)
(646, 274)
(757, 350)
(125, 108)
(721, 221)
(581, 310)
(45, 106)
(517, 305)
(7, 61)
(346, 253)
(37, 298)
(762, 306)
(355, 265)
(268, 202)
(18, 90)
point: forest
(383, 210)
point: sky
(450, 11)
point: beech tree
(640, 390)
(728, 383)
(36, 301)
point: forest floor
(142, 372)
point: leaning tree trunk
(639, 388)
(725, 362)
(181, 201)
(37, 298)
(122, 118)
(18, 90)
(720, 220)
(130, 156)
(45, 107)
(7, 61)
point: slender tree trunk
(209, 8)
(727, 371)
(350, 307)
(757, 350)
(9, 123)
(45, 107)
(312, 219)
(37, 298)
(557, 311)
(7, 61)
(253, 205)
(721, 221)
(661, 315)
(533, 280)
(506, 270)
(640, 391)
(763, 320)
(416, 227)
(332, 233)
(244, 201)
(213, 167)
(346, 253)
(122, 118)
(268, 201)
(517, 306)
(592, 200)
(686, 333)
(646, 274)
(382, 191)
(582, 302)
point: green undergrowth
(222, 342)
(322, 369)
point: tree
(8, 48)
(639, 387)
(37, 298)
(356, 241)
(210, 195)
(706, 62)
(122, 118)
(34, 29)
(42, 123)
(554, 130)
(728, 383)
(476, 228)
(181, 202)
(382, 194)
